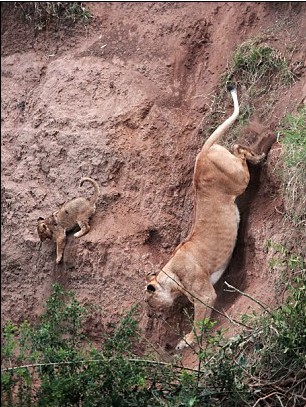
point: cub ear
(151, 288)
(40, 218)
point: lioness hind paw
(257, 159)
(262, 156)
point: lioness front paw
(185, 342)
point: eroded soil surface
(122, 101)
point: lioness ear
(151, 288)
(40, 218)
(150, 276)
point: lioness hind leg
(247, 154)
(84, 226)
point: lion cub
(76, 212)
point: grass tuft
(258, 66)
(293, 140)
(42, 14)
(258, 71)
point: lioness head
(159, 296)
(44, 229)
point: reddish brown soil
(122, 101)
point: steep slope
(122, 101)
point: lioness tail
(96, 195)
(226, 124)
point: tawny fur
(76, 212)
(198, 262)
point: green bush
(51, 364)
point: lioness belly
(218, 273)
(213, 239)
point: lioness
(76, 212)
(198, 262)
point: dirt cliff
(122, 101)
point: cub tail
(226, 124)
(97, 192)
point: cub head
(44, 229)
(158, 296)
